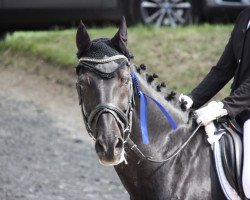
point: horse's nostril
(100, 146)
(119, 143)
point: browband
(105, 67)
(103, 60)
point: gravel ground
(43, 153)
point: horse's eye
(125, 81)
(84, 79)
(77, 85)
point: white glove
(210, 112)
(187, 99)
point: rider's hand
(212, 111)
(186, 102)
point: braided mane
(160, 87)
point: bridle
(124, 119)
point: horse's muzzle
(110, 150)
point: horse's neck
(163, 142)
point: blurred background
(45, 152)
(30, 14)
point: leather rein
(124, 119)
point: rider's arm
(219, 75)
(239, 100)
(217, 78)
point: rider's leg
(246, 163)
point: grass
(182, 56)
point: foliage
(182, 56)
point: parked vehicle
(214, 10)
(39, 14)
(176, 12)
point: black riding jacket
(234, 63)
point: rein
(142, 157)
(125, 119)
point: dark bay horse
(111, 112)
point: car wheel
(164, 12)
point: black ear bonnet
(101, 49)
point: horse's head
(105, 91)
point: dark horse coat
(234, 62)
(190, 175)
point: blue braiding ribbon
(143, 110)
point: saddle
(230, 148)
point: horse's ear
(120, 39)
(83, 41)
